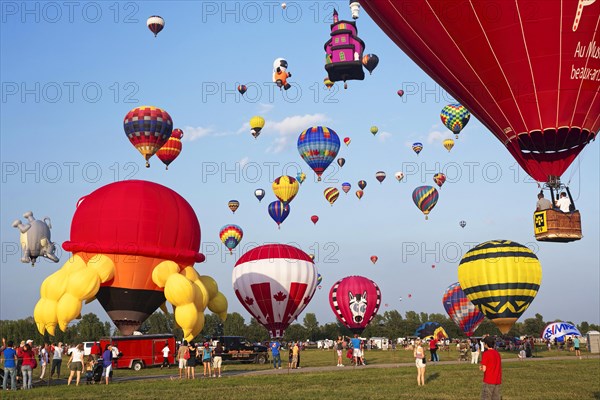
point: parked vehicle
(238, 348)
(140, 351)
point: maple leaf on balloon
(249, 300)
(306, 300)
(279, 296)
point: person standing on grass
(181, 354)
(218, 359)
(356, 348)
(190, 371)
(44, 359)
(576, 345)
(299, 343)
(290, 354)
(165, 353)
(419, 355)
(107, 362)
(57, 353)
(275, 347)
(75, 363)
(433, 347)
(474, 351)
(491, 365)
(10, 364)
(206, 354)
(339, 348)
(295, 351)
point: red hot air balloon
(400, 92)
(314, 219)
(355, 300)
(374, 259)
(274, 283)
(347, 141)
(170, 150)
(526, 73)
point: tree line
(390, 324)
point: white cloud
(244, 161)
(437, 136)
(383, 136)
(191, 133)
(264, 108)
(278, 145)
(289, 128)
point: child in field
(89, 370)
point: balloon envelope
(346, 186)
(318, 146)
(431, 330)
(455, 117)
(448, 144)
(331, 194)
(522, 73)
(259, 194)
(380, 176)
(148, 128)
(285, 188)
(461, 310)
(274, 283)
(171, 149)
(155, 24)
(425, 198)
(278, 211)
(501, 278)
(233, 205)
(417, 147)
(355, 300)
(231, 236)
(557, 330)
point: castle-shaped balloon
(344, 58)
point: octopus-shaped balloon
(134, 244)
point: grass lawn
(530, 379)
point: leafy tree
(90, 328)
(312, 326)
(583, 327)
(295, 332)
(158, 322)
(534, 326)
(255, 332)
(234, 325)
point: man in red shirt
(491, 365)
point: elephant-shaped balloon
(35, 239)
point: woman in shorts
(75, 363)
(217, 360)
(419, 354)
(206, 359)
(191, 362)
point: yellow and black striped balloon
(501, 278)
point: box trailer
(140, 351)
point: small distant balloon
(331, 194)
(448, 144)
(362, 184)
(433, 266)
(300, 177)
(346, 186)
(278, 212)
(374, 130)
(417, 147)
(374, 259)
(231, 236)
(347, 141)
(400, 92)
(341, 161)
(370, 62)
(439, 179)
(328, 83)
(256, 124)
(242, 89)
(380, 176)
(359, 194)
(155, 24)
(259, 194)
(455, 117)
(462, 224)
(319, 279)
(399, 175)
(314, 219)
(312, 257)
(425, 198)
(233, 205)
(283, 5)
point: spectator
(356, 348)
(96, 351)
(576, 345)
(300, 348)
(206, 361)
(75, 363)
(542, 203)
(290, 354)
(474, 351)
(275, 347)
(165, 353)
(107, 362)
(44, 359)
(433, 347)
(563, 203)
(182, 353)
(29, 363)
(338, 348)
(295, 352)
(491, 365)
(419, 355)
(57, 354)
(10, 364)
(218, 359)
(190, 365)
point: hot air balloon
(501, 278)
(400, 92)
(242, 89)
(233, 205)
(331, 194)
(362, 184)
(300, 177)
(359, 194)
(341, 161)
(256, 125)
(283, 6)
(347, 141)
(380, 176)
(448, 144)
(155, 24)
(231, 236)
(417, 147)
(35, 238)
(318, 146)
(312, 256)
(131, 266)
(462, 224)
(285, 188)
(409, 295)
(344, 63)
(374, 130)
(529, 86)
(461, 310)
(455, 117)
(439, 179)
(328, 83)
(170, 150)
(399, 175)
(281, 73)
(314, 219)
(259, 194)
(274, 283)
(557, 330)
(431, 330)
(370, 62)
(279, 212)
(374, 259)
(148, 128)
(425, 198)
(319, 279)
(355, 300)
(346, 187)
(432, 266)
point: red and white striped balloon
(275, 282)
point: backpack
(186, 355)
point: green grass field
(531, 379)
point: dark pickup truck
(238, 348)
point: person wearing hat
(206, 359)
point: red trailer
(140, 351)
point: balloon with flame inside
(132, 266)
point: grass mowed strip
(578, 379)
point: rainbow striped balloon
(318, 146)
(231, 236)
(148, 128)
(461, 310)
(425, 198)
(455, 117)
(171, 150)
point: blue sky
(70, 76)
